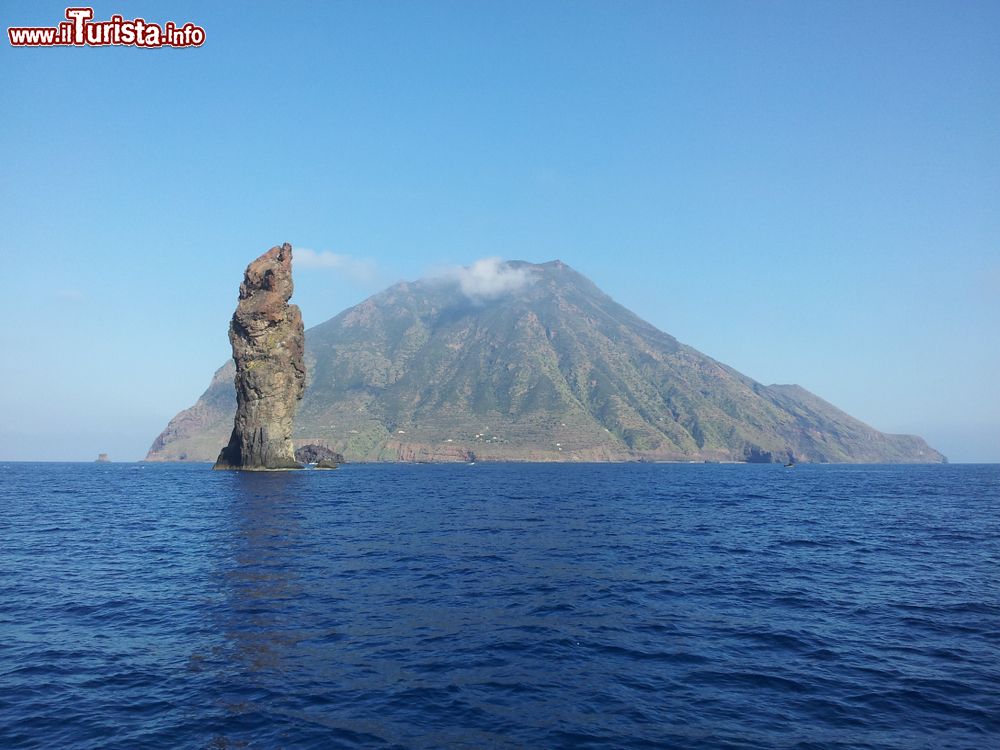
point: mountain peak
(511, 360)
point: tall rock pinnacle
(268, 349)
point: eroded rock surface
(314, 454)
(268, 348)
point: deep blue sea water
(500, 606)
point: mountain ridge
(533, 362)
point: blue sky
(807, 191)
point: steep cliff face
(269, 352)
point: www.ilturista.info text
(79, 29)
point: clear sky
(807, 191)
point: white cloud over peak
(489, 278)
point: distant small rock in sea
(323, 457)
(102, 458)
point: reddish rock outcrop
(268, 349)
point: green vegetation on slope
(553, 370)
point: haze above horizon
(805, 192)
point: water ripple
(500, 606)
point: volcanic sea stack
(268, 348)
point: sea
(500, 606)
